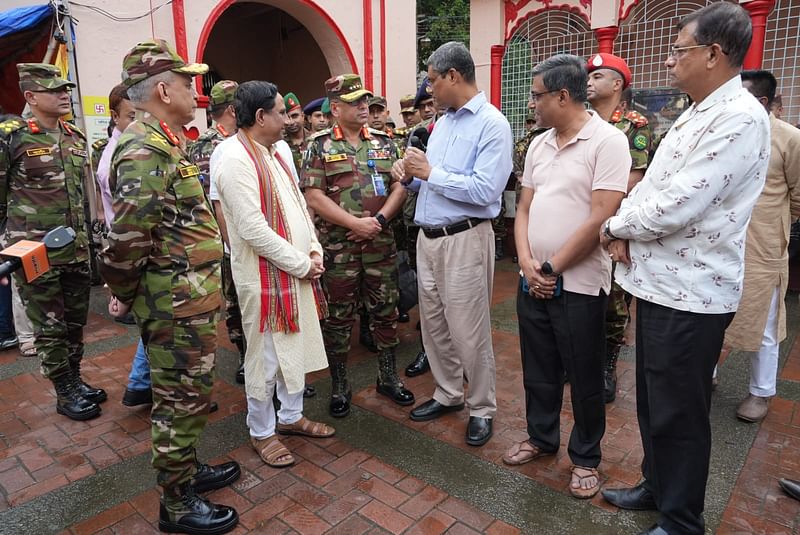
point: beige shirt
(562, 180)
(766, 257)
(251, 237)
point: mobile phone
(559, 286)
(524, 282)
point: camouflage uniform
(636, 129)
(163, 257)
(298, 149)
(520, 152)
(42, 176)
(97, 152)
(353, 270)
(410, 209)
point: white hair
(142, 92)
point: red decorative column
(496, 70)
(605, 38)
(759, 11)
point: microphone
(419, 138)
(32, 255)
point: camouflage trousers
(57, 303)
(233, 315)
(182, 354)
(616, 319)
(499, 222)
(357, 275)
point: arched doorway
(541, 35)
(292, 43)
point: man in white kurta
(760, 322)
(273, 358)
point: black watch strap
(382, 220)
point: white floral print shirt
(687, 219)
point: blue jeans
(6, 318)
(139, 378)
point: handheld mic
(32, 255)
(419, 138)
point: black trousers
(676, 352)
(566, 333)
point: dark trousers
(676, 352)
(566, 333)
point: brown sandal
(270, 450)
(518, 454)
(581, 492)
(306, 428)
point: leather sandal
(307, 428)
(270, 450)
(580, 492)
(523, 452)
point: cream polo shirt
(687, 219)
(562, 180)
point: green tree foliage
(439, 22)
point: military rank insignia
(41, 151)
(335, 157)
(189, 171)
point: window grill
(782, 55)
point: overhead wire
(119, 18)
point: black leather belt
(455, 228)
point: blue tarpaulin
(22, 18)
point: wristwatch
(382, 220)
(607, 230)
(547, 268)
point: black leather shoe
(479, 431)
(396, 392)
(403, 317)
(70, 403)
(340, 405)
(610, 385)
(194, 515)
(499, 253)
(430, 410)
(214, 477)
(95, 395)
(309, 391)
(637, 498)
(213, 407)
(419, 366)
(240, 373)
(790, 487)
(655, 529)
(133, 398)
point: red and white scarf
(278, 288)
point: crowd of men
(302, 217)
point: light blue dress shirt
(470, 151)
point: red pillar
(368, 49)
(605, 38)
(496, 74)
(759, 11)
(179, 24)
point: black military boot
(365, 337)
(610, 375)
(186, 512)
(499, 252)
(340, 391)
(211, 477)
(420, 364)
(389, 383)
(70, 403)
(242, 350)
(95, 395)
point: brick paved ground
(349, 483)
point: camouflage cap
(530, 115)
(377, 100)
(149, 58)
(40, 77)
(346, 87)
(407, 104)
(291, 101)
(222, 93)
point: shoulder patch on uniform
(640, 141)
(315, 135)
(99, 144)
(11, 125)
(157, 141)
(636, 118)
(374, 132)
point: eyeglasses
(535, 96)
(680, 51)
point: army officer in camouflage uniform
(346, 174)
(163, 261)
(609, 80)
(44, 167)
